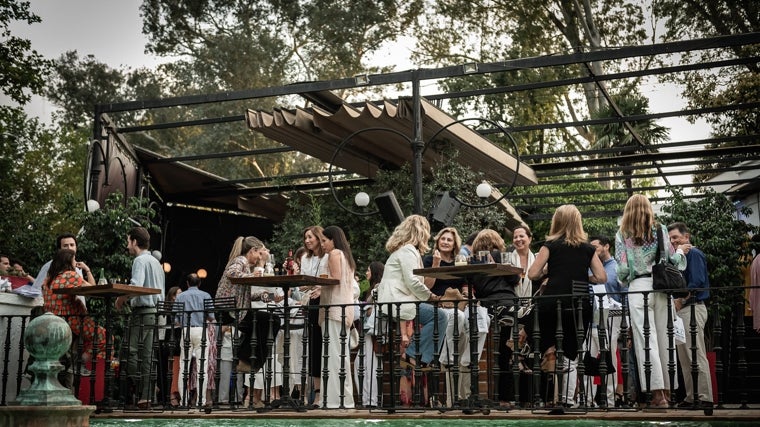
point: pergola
(324, 121)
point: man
(694, 304)
(64, 241)
(466, 248)
(5, 265)
(146, 272)
(613, 299)
(191, 323)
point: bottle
(268, 269)
(289, 270)
(102, 279)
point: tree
(616, 134)
(27, 150)
(495, 30)
(22, 69)
(733, 85)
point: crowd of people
(435, 330)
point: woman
(523, 257)
(61, 275)
(172, 347)
(314, 263)
(497, 294)
(337, 318)
(447, 245)
(246, 253)
(635, 249)
(564, 258)
(400, 285)
(371, 363)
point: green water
(332, 422)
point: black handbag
(591, 363)
(665, 276)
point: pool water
(331, 422)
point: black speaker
(445, 208)
(389, 209)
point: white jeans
(196, 333)
(371, 369)
(337, 355)
(657, 309)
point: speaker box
(445, 208)
(389, 209)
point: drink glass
(460, 260)
(506, 258)
(483, 257)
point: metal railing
(511, 369)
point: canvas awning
(318, 132)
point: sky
(111, 30)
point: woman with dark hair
(523, 257)
(337, 319)
(314, 263)
(371, 364)
(61, 275)
(170, 349)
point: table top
(292, 281)
(105, 291)
(469, 270)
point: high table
(471, 272)
(286, 283)
(108, 292)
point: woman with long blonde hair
(635, 252)
(401, 291)
(564, 258)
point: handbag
(591, 363)
(665, 276)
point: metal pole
(417, 143)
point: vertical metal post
(417, 143)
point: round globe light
(483, 190)
(92, 205)
(167, 267)
(361, 199)
(202, 273)
(156, 254)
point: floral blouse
(633, 260)
(60, 304)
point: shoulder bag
(665, 276)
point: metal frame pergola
(642, 161)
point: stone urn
(47, 338)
